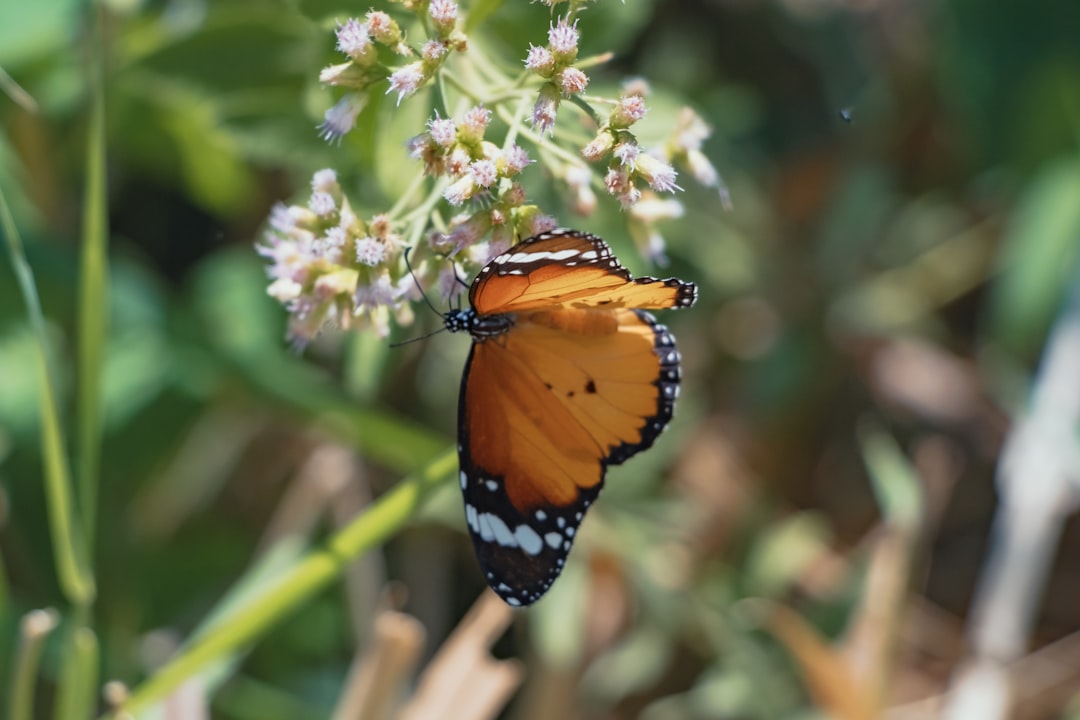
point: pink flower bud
(572, 80)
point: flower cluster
(360, 42)
(327, 266)
(555, 63)
(684, 147)
(479, 171)
(627, 162)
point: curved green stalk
(72, 568)
(294, 587)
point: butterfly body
(567, 375)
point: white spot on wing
(484, 524)
(503, 536)
(553, 539)
(528, 539)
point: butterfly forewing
(567, 375)
(569, 269)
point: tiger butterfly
(567, 375)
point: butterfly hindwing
(544, 409)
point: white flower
(444, 13)
(341, 118)
(442, 131)
(483, 173)
(325, 180)
(322, 203)
(284, 290)
(563, 37)
(540, 60)
(627, 153)
(516, 159)
(572, 80)
(659, 175)
(476, 121)
(460, 190)
(370, 251)
(406, 80)
(353, 38)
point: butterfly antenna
(415, 339)
(422, 294)
(460, 282)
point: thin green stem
(16, 92)
(68, 542)
(493, 96)
(407, 196)
(540, 140)
(316, 570)
(420, 215)
(93, 300)
(515, 124)
(585, 108)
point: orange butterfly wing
(566, 376)
(569, 269)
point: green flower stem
(539, 140)
(68, 543)
(517, 123)
(93, 301)
(297, 585)
(492, 97)
(419, 216)
(407, 197)
(13, 90)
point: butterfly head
(458, 320)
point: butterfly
(567, 375)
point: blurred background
(807, 538)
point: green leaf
(1039, 251)
(894, 479)
(478, 12)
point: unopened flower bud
(540, 60)
(599, 146)
(572, 81)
